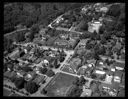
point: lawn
(68, 69)
(59, 86)
(6, 92)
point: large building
(94, 26)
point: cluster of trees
(48, 72)
(32, 13)
(8, 46)
(29, 86)
(76, 89)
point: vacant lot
(60, 85)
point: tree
(93, 76)
(20, 37)
(31, 87)
(43, 70)
(101, 30)
(76, 81)
(57, 66)
(8, 44)
(19, 83)
(114, 10)
(75, 92)
(83, 26)
(50, 73)
(44, 91)
(27, 69)
(85, 35)
(10, 66)
(89, 45)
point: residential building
(118, 76)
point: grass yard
(6, 92)
(68, 69)
(59, 86)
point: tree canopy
(31, 87)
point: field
(59, 86)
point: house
(30, 76)
(89, 71)
(61, 42)
(10, 66)
(100, 72)
(45, 62)
(94, 26)
(123, 79)
(119, 66)
(86, 92)
(118, 76)
(108, 78)
(112, 69)
(100, 64)
(81, 71)
(38, 61)
(82, 43)
(121, 93)
(39, 79)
